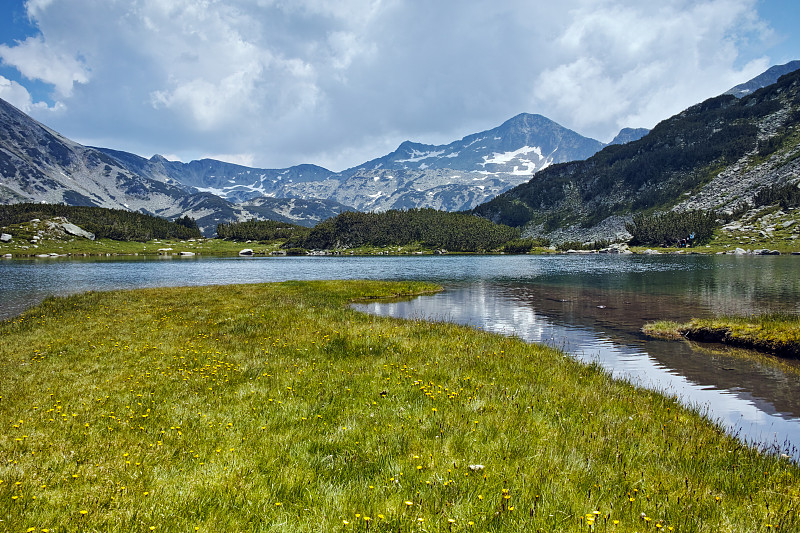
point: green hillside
(722, 153)
(116, 224)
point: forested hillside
(104, 223)
(431, 228)
(260, 230)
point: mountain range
(719, 155)
(40, 165)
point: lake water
(591, 306)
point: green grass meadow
(275, 407)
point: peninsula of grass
(276, 407)
(777, 334)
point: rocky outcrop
(62, 225)
(72, 229)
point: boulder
(5, 237)
(187, 254)
(617, 248)
(246, 251)
(72, 229)
(651, 252)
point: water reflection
(755, 401)
(592, 306)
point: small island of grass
(276, 407)
(778, 334)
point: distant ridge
(627, 135)
(768, 77)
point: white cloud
(18, 96)
(629, 64)
(337, 83)
(36, 6)
(37, 60)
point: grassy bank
(84, 247)
(276, 408)
(778, 334)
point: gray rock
(5, 237)
(72, 229)
(187, 254)
(651, 252)
(618, 248)
(246, 251)
(740, 251)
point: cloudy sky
(275, 83)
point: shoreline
(216, 247)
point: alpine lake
(591, 306)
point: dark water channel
(591, 306)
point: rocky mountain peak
(768, 77)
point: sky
(277, 83)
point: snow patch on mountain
(417, 156)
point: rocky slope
(39, 165)
(717, 155)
